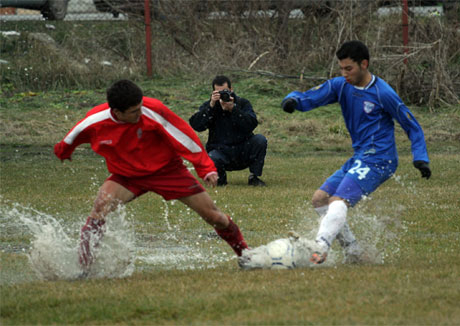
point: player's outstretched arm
(424, 168)
(321, 95)
(63, 151)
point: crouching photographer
(232, 144)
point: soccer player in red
(143, 143)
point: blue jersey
(368, 113)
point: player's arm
(323, 94)
(76, 136)
(211, 179)
(401, 113)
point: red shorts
(171, 182)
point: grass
(363, 295)
(419, 233)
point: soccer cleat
(318, 257)
(319, 253)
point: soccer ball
(281, 253)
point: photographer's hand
(289, 105)
(215, 96)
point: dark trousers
(249, 154)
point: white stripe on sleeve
(92, 119)
(182, 138)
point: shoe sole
(318, 258)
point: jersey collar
(368, 85)
(114, 118)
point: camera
(226, 94)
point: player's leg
(360, 179)
(223, 224)
(330, 226)
(321, 199)
(334, 224)
(331, 213)
(111, 194)
(176, 182)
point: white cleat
(319, 253)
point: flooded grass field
(159, 263)
(410, 225)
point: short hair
(221, 80)
(124, 94)
(355, 50)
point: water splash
(51, 246)
(115, 254)
(50, 243)
(377, 241)
(377, 234)
(52, 251)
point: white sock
(322, 210)
(345, 236)
(332, 223)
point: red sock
(233, 236)
(92, 228)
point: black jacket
(225, 128)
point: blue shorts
(358, 178)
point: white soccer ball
(281, 253)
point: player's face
(354, 73)
(131, 115)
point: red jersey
(138, 149)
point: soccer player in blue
(369, 106)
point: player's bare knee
(103, 205)
(320, 198)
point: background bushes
(187, 40)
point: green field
(414, 223)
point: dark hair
(355, 50)
(124, 94)
(220, 80)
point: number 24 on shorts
(361, 171)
